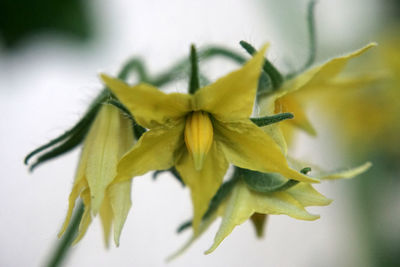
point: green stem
(65, 243)
(312, 39)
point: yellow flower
(304, 88)
(243, 203)
(110, 136)
(218, 131)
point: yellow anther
(198, 136)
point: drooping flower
(109, 137)
(295, 93)
(200, 133)
(243, 204)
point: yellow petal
(106, 217)
(155, 150)
(316, 76)
(346, 174)
(232, 97)
(203, 184)
(104, 153)
(247, 146)
(290, 104)
(306, 195)
(149, 106)
(86, 217)
(243, 203)
(78, 187)
(120, 200)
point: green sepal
(173, 171)
(273, 73)
(267, 120)
(71, 139)
(217, 199)
(268, 182)
(194, 82)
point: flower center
(198, 136)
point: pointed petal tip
(210, 250)
(104, 77)
(116, 240)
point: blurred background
(51, 53)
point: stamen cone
(198, 136)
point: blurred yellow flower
(109, 137)
(295, 93)
(218, 131)
(369, 116)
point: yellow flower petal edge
(232, 97)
